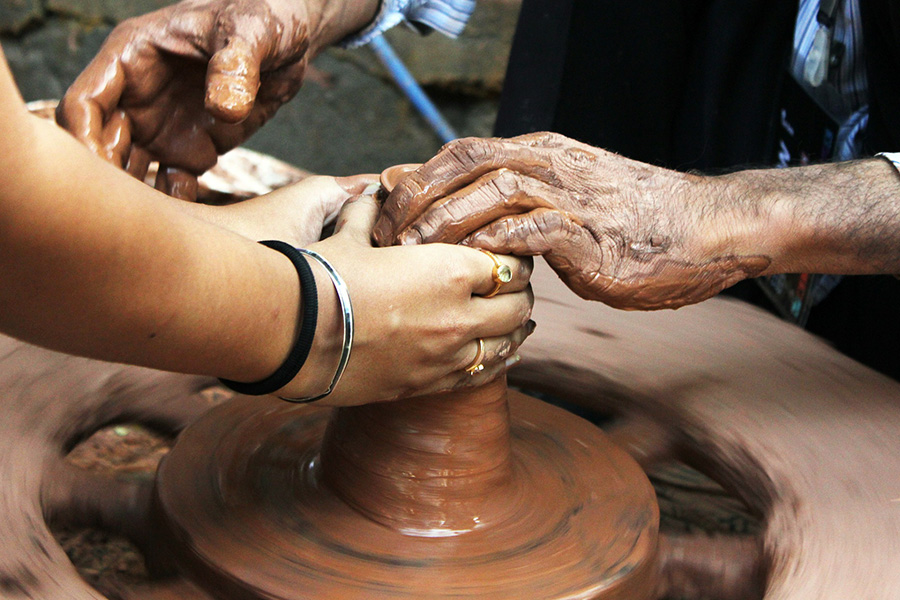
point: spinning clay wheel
(482, 494)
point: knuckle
(457, 275)
(507, 184)
(526, 306)
(469, 152)
(539, 138)
(556, 140)
(524, 269)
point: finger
(537, 232)
(568, 247)
(138, 163)
(458, 164)
(357, 184)
(177, 183)
(501, 314)
(492, 196)
(280, 85)
(496, 349)
(116, 139)
(357, 217)
(391, 176)
(460, 380)
(512, 273)
(90, 100)
(328, 194)
(232, 81)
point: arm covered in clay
(186, 83)
(191, 81)
(95, 263)
(638, 236)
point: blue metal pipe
(412, 89)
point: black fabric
(861, 318)
(533, 77)
(688, 84)
(697, 84)
(881, 38)
(309, 298)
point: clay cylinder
(430, 466)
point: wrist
(835, 218)
(330, 22)
(302, 334)
(752, 217)
(324, 356)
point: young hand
(295, 214)
(419, 314)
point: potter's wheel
(247, 488)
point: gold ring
(501, 273)
(476, 366)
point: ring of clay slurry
(247, 501)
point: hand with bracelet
(97, 264)
(426, 319)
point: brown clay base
(242, 499)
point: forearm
(830, 218)
(97, 264)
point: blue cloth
(844, 96)
(447, 16)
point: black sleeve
(881, 38)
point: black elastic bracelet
(292, 364)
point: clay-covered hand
(419, 312)
(295, 213)
(629, 234)
(193, 80)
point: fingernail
(411, 237)
(371, 189)
(512, 361)
(530, 326)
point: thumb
(357, 218)
(232, 80)
(357, 184)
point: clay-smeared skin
(614, 229)
(191, 81)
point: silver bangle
(347, 313)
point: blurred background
(349, 117)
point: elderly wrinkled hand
(614, 229)
(189, 82)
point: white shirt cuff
(894, 157)
(447, 16)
